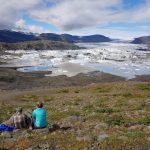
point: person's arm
(11, 122)
(28, 120)
(33, 115)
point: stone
(147, 129)
(148, 139)
(136, 127)
(44, 130)
(7, 134)
(44, 146)
(21, 134)
(85, 138)
(70, 121)
(124, 138)
(54, 127)
(102, 137)
(34, 147)
(101, 126)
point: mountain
(74, 39)
(39, 45)
(142, 40)
(8, 36)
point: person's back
(20, 120)
(39, 116)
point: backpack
(4, 127)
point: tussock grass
(119, 105)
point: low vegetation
(117, 117)
(38, 45)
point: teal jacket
(39, 116)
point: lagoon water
(122, 59)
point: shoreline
(11, 79)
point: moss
(101, 90)
(106, 110)
(63, 91)
(128, 95)
(145, 120)
(88, 108)
(144, 87)
(6, 112)
(115, 119)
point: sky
(119, 19)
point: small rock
(101, 126)
(44, 146)
(86, 138)
(102, 137)
(136, 127)
(54, 127)
(34, 147)
(69, 121)
(148, 139)
(21, 134)
(44, 130)
(124, 138)
(7, 134)
(147, 129)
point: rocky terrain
(10, 79)
(38, 45)
(102, 116)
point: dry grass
(120, 105)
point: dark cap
(19, 110)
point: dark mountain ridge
(8, 36)
(142, 40)
(75, 39)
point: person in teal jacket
(39, 116)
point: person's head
(39, 104)
(19, 110)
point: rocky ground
(10, 79)
(101, 116)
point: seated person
(39, 116)
(19, 120)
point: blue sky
(125, 19)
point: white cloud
(73, 16)
(142, 14)
(22, 26)
(10, 11)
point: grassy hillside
(38, 45)
(116, 116)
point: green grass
(144, 87)
(145, 120)
(6, 112)
(116, 119)
(127, 95)
(119, 105)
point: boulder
(102, 137)
(101, 126)
(72, 120)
